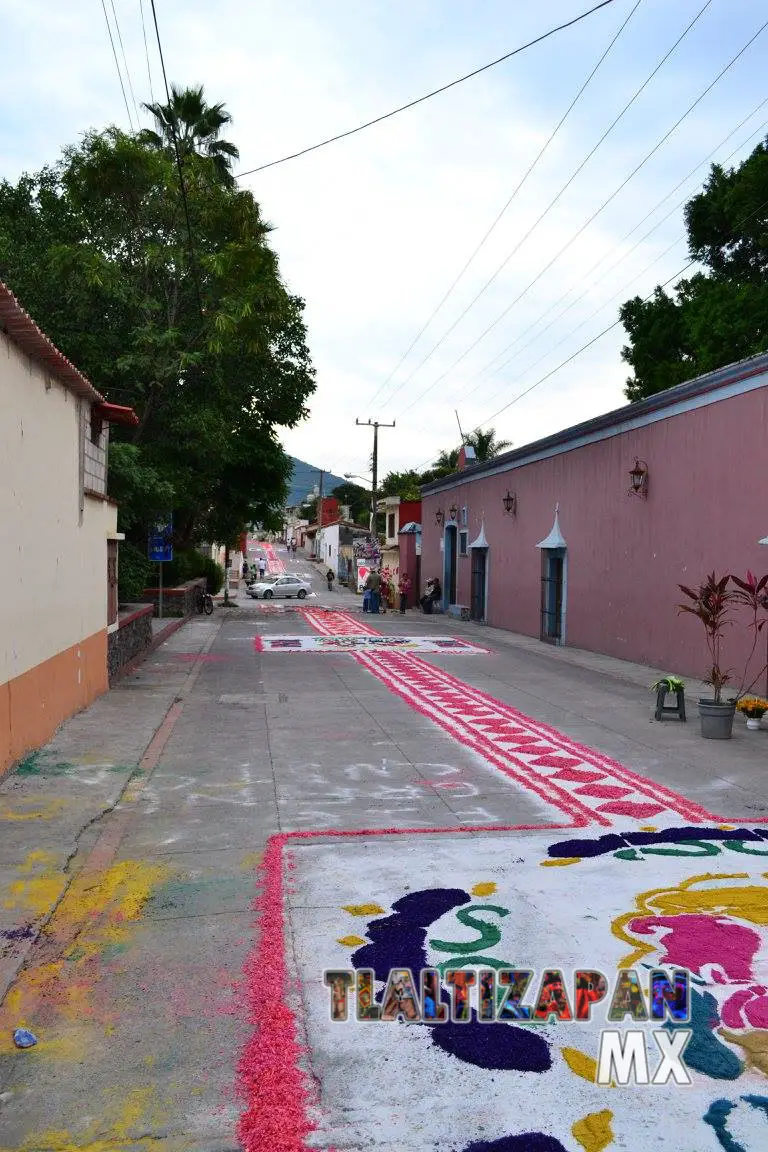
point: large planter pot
(716, 719)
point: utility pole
(375, 464)
(319, 536)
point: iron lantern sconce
(510, 503)
(452, 511)
(439, 517)
(639, 477)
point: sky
(373, 230)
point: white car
(283, 586)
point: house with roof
(583, 537)
(397, 514)
(58, 579)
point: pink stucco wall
(707, 506)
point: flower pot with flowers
(754, 708)
(712, 603)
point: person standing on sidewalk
(404, 588)
(373, 585)
(330, 577)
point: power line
(193, 259)
(543, 215)
(616, 296)
(125, 60)
(591, 219)
(117, 64)
(624, 256)
(429, 95)
(565, 363)
(146, 51)
(599, 336)
(529, 172)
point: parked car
(283, 586)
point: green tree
(718, 315)
(358, 499)
(209, 348)
(195, 126)
(486, 444)
(406, 485)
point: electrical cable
(193, 259)
(624, 256)
(125, 60)
(520, 184)
(117, 64)
(599, 336)
(146, 51)
(542, 216)
(429, 95)
(591, 219)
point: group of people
(259, 566)
(372, 593)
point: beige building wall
(53, 579)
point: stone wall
(131, 639)
(181, 601)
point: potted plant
(711, 603)
(754, 708)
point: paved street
(360, 777)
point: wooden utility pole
(375, 424)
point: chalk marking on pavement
(105, 849)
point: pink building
(551, 540)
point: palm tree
(195, 127)
(486, 445)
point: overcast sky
(372, 230)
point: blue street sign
(160, 544)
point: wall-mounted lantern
(639, 478)
(439, 517)
(452, 511)
(510, 503)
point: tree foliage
(407, 485)
(206, 344)
(717, 316)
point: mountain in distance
(305, 477)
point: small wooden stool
(678, 709)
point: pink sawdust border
(276, 1091)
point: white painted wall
(53, 574)
(329, 548)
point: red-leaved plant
(711, 603)
(752, 594)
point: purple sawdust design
(527, 1142)
(25, 933)
(399, 941)
(602, 845)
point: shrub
(189, 565)
(133, 572)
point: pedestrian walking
(404, 588)
(330, 577)
(262, 567)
